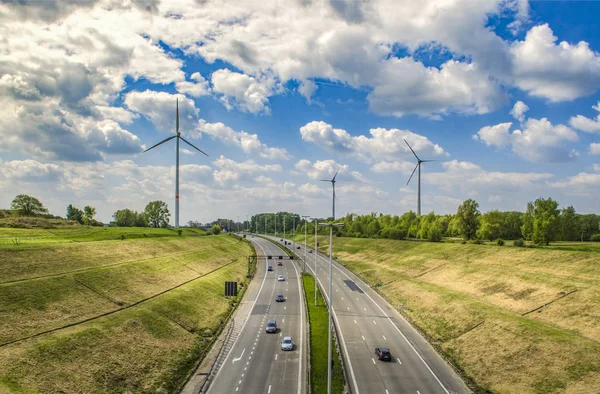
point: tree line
(542, 222)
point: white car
(287, 343)
(280, 278)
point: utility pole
(305, 234)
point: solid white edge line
(243, 326)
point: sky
(503, 95)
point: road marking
(400, 362)
(374, 322)
(384, 338)
(372, 359)
(356, 298)
(242, 375)
(285, 307)
(237, 388)
(239, 358)
(386, 391)
(240, 382)
(342, 298)
(355, 322)
(245, 368)
(363, 337)
(269, 389)
(280, 334)
(276, 357)
(283, 320)
(365, 309)
(418, 392)
(348, 307)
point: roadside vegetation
(319, 318)
(91, 309)
(513, 320)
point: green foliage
(475, 241)
(157, 214)
(129, 218)
(216, 229)
(519, 242)
(527, 227)
(500, 242)
(179, 232)
(26, 205)
(567, 224)
(88, 214)
(545, 220)
(595, 238)
(491, 224)
(468, 219)
(74, 214)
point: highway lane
(366, 321)
(256, 363)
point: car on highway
(270, 268)
(280, 263)
(280, 298)
(297, 247)
(281, 239)
(280, 278)
(383, 354)
(271, 326)
(309, 250)
(287, 343)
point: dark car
(383, 354)
(297, 247)
(280, 263)
(270, 268)
(281, 239)
(280, 298)
(271, 326)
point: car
(297, 247)
(280, 278)
(280, 298)
(280, 263)
(281, 239)
(270, 268)
(287, 343)
(309, 250)
(271, 326)
(383, 354)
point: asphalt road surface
(366, 321)
(256, 363)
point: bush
(519, 242)
(595, 238)
(500, 242)
(122, 237)
(475, 242)
(179, 232)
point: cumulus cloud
(383, 143)
(198, 88)
(595, 148)
(518, 111)
(160, 109)
(326, 169)
(249, 143)
(230, 171)
(557, 72)
(588, 125)
(242, 91)
(540, 141)
(393, 166)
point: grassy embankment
(81, 313)
(515, 320)
(318, 344)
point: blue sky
(503, 94)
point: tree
(157, 214)
(26, 205)
(468, 219)
(74, 214)
(527, 227)
(545, 220)
(491, 225)
(216, 229)
(88, 214)
(567, 223)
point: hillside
(515, 320)
(84, 311)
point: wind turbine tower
(178, 137)
(419, 161)
(333, 185)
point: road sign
(231, 289)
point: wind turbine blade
(413, 173)
(425, 161)
(190, 144)
(160, 143)
(411, 149)
(333, 180)
(325, 180)
(177, 124)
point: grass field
(103, 315)
(318, 344)
(515, 320)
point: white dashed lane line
(399, 362)
(384, 338)
(372, 359)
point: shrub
(464, 242)
(519, 242)
(179, 232)
(122, 237)
(500, 242)
(475, 241)
(595, 238)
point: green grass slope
(515, 320)
(112, 316)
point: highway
(366, 321)
(256, 363)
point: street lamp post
(284, 239)
(316, 252)
(305, 232)
(331, 226)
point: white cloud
(187, 152)
(307, 88)
(393, 166)
(583, 184)
(383, 143)
(518, 111)
(597, 167)
(540, 141)
(326, 169)
(160, 109)
(242, 91)
(595, 148)
(198, 88)
(249, 143)
(557, 72)
(588, 125)
(229, 171)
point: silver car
(287, 343)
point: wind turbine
(179, 137)
(333, 185)
(419, 161)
